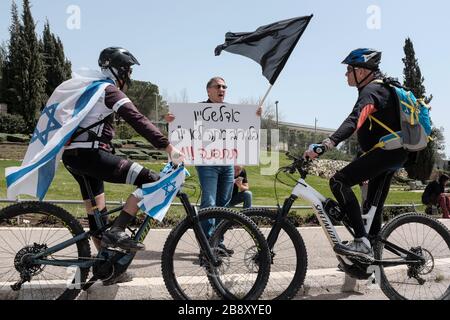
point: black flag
(270, 45)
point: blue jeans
(217, 187)
(242, 197)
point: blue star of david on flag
(69, 104)
(169, 188)
(158, 196)
(52, 125)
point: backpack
(414, 119)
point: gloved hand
(314, 151)
(176, 156)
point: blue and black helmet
(364, 58)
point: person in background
(241, 189)
(434, 194)
(216, 182)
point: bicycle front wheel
(425, 237)
(238, 244)
(27, 229)
(289, 257)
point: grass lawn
(65, 187)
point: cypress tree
(422, 164)
(13, 72)
(412, 73)
(3, 56)
(58, 68)
(33, 97)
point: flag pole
(265, 97)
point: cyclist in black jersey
(376, 165)
(90, 154)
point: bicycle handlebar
(300, 164)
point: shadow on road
(331, 296)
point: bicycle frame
(140, 235)
(303, 190)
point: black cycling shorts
(98, 165)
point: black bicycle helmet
(364, 58)
(119, 61)
(444, 178)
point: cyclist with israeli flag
(77, 127)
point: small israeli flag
(158, 196)
(65, 110)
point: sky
(174, 40)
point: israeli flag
(158, 196)
(65, 110)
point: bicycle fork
(198, 230)
(281, 215)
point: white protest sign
(216, 134)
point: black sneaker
(355, 249)
(117, 238)
(122, 278)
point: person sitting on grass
(434, 195)
(241, 190)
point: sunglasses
(220, 86)
(351, 69)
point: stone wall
(328, 168)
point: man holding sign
(215, 136)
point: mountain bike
(412, 251)
(45, 254)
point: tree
(145, 96)
(422, 167)
(3, 57)
(33, 97)
(412, 73)
(13, 72)
(57, 67)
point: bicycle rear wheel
(289, 257)
(427, 238)
(29, 228)
(245, 260)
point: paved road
(323, 280)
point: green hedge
(12, 123)
(125, 131)
(18, 138)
